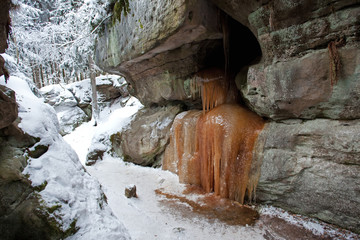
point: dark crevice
(243, 49)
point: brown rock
(8, 107)
(130, 191)
(159, 59)
(301, 87)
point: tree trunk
(64, 76)
(42, 75)
(36, 74)
(16, 47)
(95, 109)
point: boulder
(72, 102)
(70, 118)
(69, 114)
(58, 96)
(8, 107)
(109, 87)
(312, 168)
(22, 215)
(147, 135)
(159, 46)
(99, 146)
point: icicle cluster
(214, 150)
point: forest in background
(52, 39)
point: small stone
(130, 191)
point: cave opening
(243, 47)
(230, 57)
(238, 48)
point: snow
(112, 119)
(56, 31)
(67, 183)
(144, 217)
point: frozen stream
(155, 216)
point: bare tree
(95, 109)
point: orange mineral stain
(214, 149)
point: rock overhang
(165, 40)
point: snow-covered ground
(145, 217)
(76, 195)
(154, 216)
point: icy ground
(170, 216)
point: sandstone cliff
(295, 63)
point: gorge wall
(294, 63)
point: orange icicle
(215, 149)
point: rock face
(8, 107)
(297, 77)
(301, 87)
(304, 80)
(312, 167)
(147, 135)
(21, 214)
(150, 49)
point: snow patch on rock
(77, 196)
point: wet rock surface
(274, 223)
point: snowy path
(144, 217)
(153, 216)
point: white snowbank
(87, 138)
(68, 184)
